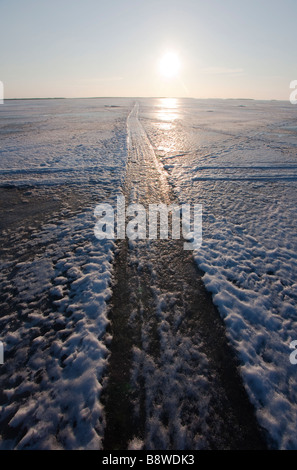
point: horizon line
(136, 97)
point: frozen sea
(235, 157)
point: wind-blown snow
(57, 351)
(238, 158)
(62, 141)
(54, 302)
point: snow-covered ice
(238, 158)
(56, 278)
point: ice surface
(237, 158)
(56, 277)
(60, 141)
(239, 161)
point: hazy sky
(71, 48)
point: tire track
(173, 381)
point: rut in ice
(173, 381)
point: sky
(86, 48)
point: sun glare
(169, 65)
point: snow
(65, 361)
(55, 339)
(239, 161)
(58, 141)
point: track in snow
(173, 382)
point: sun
(169, 65)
